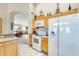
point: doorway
(21, 20)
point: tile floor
(26, 50)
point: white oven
(36, 42)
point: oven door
(37, 43)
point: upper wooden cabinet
(33, 24)
(39, 18)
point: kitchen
(50, 26)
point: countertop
(8, 39)
(45, 36)
(41, 36)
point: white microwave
(39, 23)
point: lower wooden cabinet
(44, 44)
(30, 39)
(1, 49)
(9, 48)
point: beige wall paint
(3, 15)
(21, 19)
(16, 8)
(31, 9)
(6, 9)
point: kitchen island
(8, 46)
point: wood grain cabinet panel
(33, 24)
(30, 39)
(9, 48)
(1, 49)
(44, 45)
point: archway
(15, 17)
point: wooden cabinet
(33, 24)
(30, 39)
(9, 48)
(46, 23)
(44, 44)
(40, 18)
(1, 49)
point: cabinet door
(1, 49)
(46, 23)
(44, 45)
(30, 39)
(11, 49)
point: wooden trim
(1, 25)
(30, 39)
(33, 24)
(69, 12)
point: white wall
(51, 7)
(17, 6)
(21, 19)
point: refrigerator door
(53, 37)
(69, 35)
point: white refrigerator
(64, 36)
